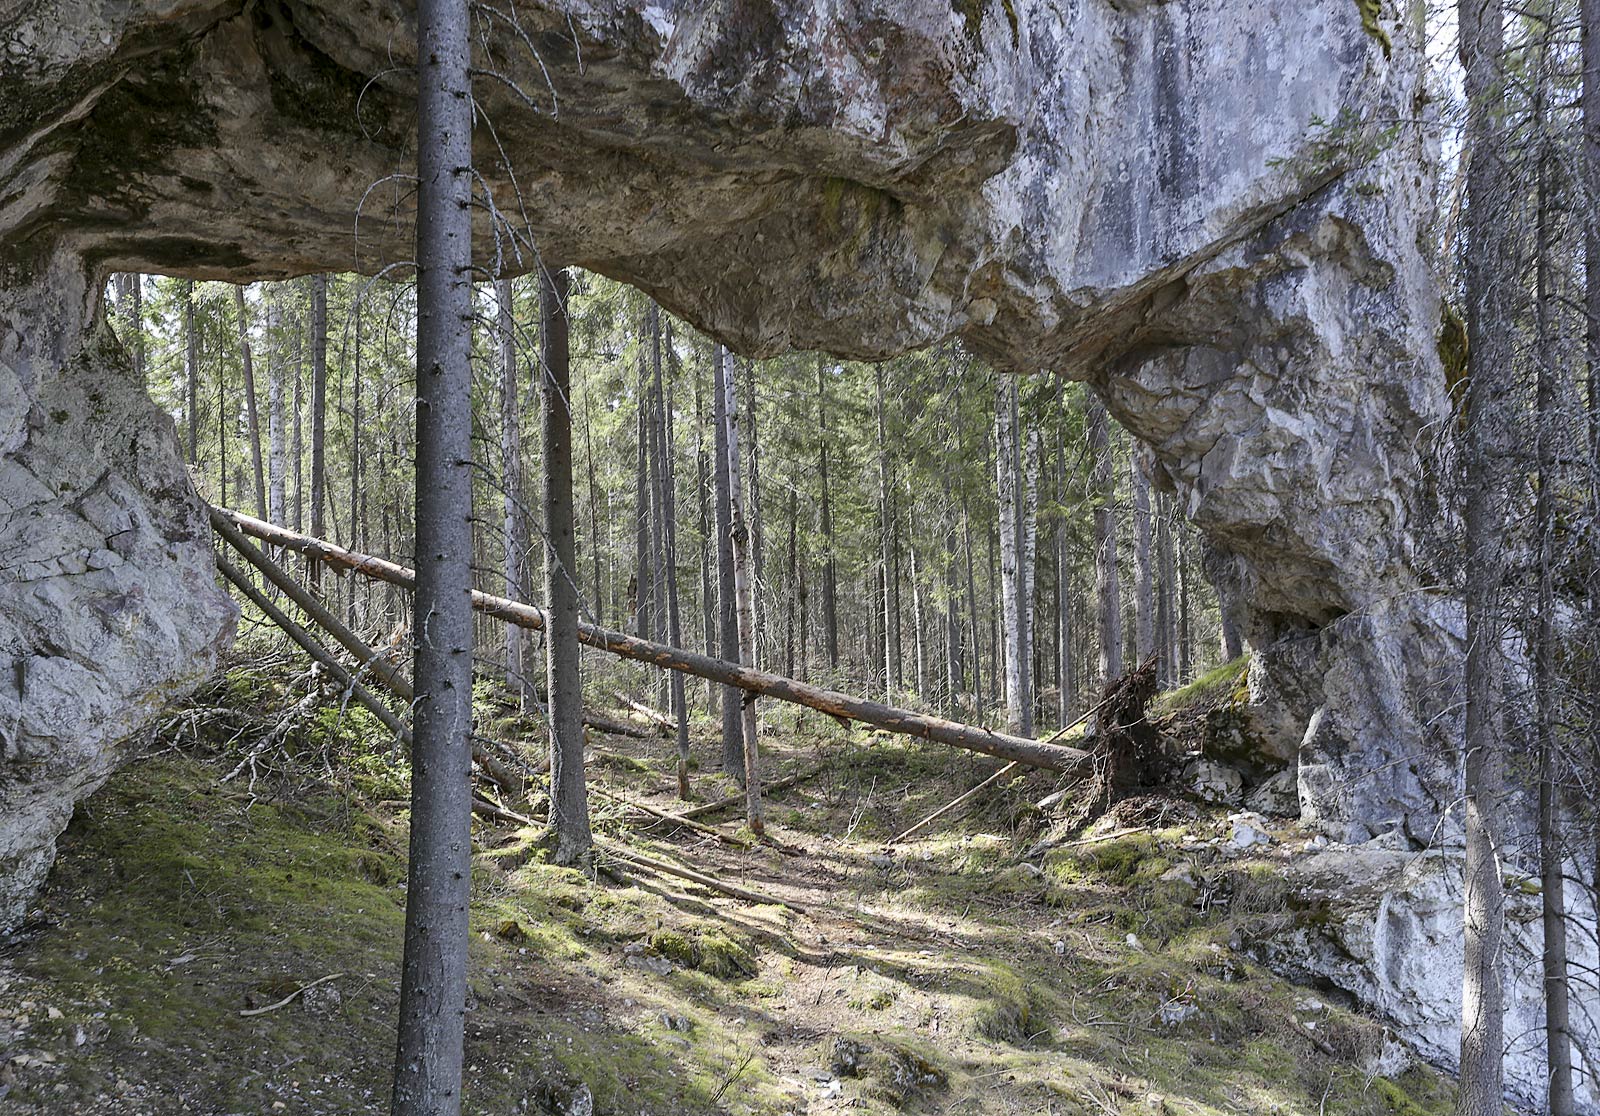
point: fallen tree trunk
(374, 662)
(843, 706)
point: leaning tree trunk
(252, 419)
(742, 591)
(433, 979)
(1489, 361)
(1108, 597)
(728, 640)
(569, 804)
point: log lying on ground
(738, 799)
(1031, 752)
(662, 722)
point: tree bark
(1489, 361)
(569, 804)
(743, 598)
(433, 981)
(728, 639)
(191, 369)
(252, 419)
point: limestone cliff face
(1214, 211)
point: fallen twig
(291, 996)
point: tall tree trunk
(297, 447)
(1108, 597)
(1558, 1036)
(1027, 453)
(758, 548)
(433, 981)
(319, 412)
(644, 573)
(357, 426)
(1006, 500)
(1143, 589)
(972, 611)
(252, 419)
(955, 667)
(919, 651)
(1589, 19)
(830, 571)
(1489, 362)
(789, 585)
(743, 595)
(1185, 648)
(569, 803)
(191, 370)
(519, 646)
(728, 642)
(669, 521)
(710, 551)
(595, 546)
(1164, 611)
(276, 471)
(892, 679)
(1016, 491)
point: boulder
(1384, 925)
(1278, 796)
(1213, 782)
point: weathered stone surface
(1197, 206)
(107, 602)
(1385, 925)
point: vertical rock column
(108, 599)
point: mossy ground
(970, 983)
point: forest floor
(944, 975)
